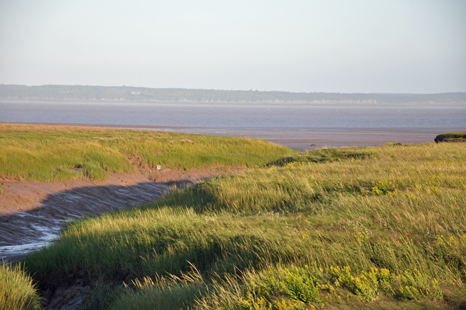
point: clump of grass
(324, 155)
(170, 292)
(17, 290)
(404, 214)
(46, 153)
(451, 137)
(93, 170)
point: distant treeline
(138, 94)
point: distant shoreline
(144, 94)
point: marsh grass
(359, 209)
(17, 290)
(51, 153)
(163, 292)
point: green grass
(451, 137)
(323, 227)
(163, 293)
(52, 153)
(17, 290)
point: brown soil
(21, 196)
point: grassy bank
(58, 153)
(451, 137)
(381, 227)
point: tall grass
(17, 290)
(396, 208)
(52, 153)
(162, 293)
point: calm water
(285, 124)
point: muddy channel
(33, 213)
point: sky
(392, 46)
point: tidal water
(295, 125)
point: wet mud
(32, 213)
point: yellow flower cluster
(299, 288)
(365, 285)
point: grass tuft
(17, 290)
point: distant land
(142, 94)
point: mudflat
(32, 213)
(23, 196)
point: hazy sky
(414, 46)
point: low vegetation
(379, 227)
(451, 137)
(59, 153)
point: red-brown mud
(32, 213)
